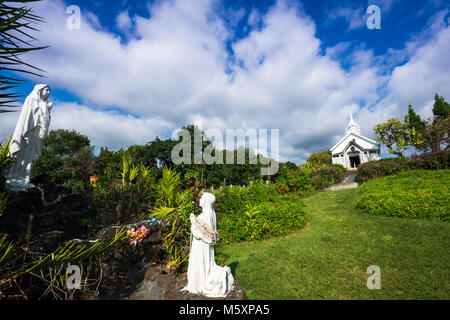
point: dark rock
(52, 240)
(158, 285)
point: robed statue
(204, 276)
(27, 140)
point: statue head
(40, 91)
(44, 93)
(207, 199)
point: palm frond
(16, 23)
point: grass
(329, 258)
(420, 194)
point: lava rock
(159, 285)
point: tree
(437, 133)
(437, 128)
(67, 159)
(441, 108)
(394, 134)
(415, 129)
(320, 158)
(15, 22)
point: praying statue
(204, 276)
(27, 140)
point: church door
(354, 160)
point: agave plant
(16, 22)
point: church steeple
(352, 126)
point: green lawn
(329, 258)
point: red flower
(93, 179)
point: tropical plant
(3, 200)
(50, 269)
(15, 21)
(394, 134)
(169, 186)
(174, 251)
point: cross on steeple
(352, 126)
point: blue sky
(140, 69)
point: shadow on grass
(233, 266)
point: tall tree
(441, 108)
(437, 128)
(416, 129)
(67, 159)
(15, 24)
(394, 134)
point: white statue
(26, 145)
(204, 276)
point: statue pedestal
(17, 185)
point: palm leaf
(16, 22)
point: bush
(293, 181)
(320, 158)
(414, 194)
(431, 161)
(5, 161)
(257, 212)
(382, 168)
(325, 176)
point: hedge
(420, 194)
(428, 161)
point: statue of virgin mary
(26, 145)
(204, 276)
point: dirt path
(348, 183)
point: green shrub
(414, 194)
(382, 168)
(320, 158)
(429, 161)
(5, 161)
(257, 212)
(325, 176)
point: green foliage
(296, 180)
(16, 21)
(437, 133)
(3, 200)
(441, 108)
(319, 159)
(169, 186)
(126, 188)
(431, 161)
(416, 129)
(325, 176)
(67, 159)
(386, 167)
(5, 161)
(394, 134)
(174, 250)
(51, 269)
(413, 194)
(257, 212)
(381, 168)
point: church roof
(353, 129)
(352, 126)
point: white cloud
(174, 72)
(355, 17)
(123, 21)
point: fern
(169, 186)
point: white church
(354, 149)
